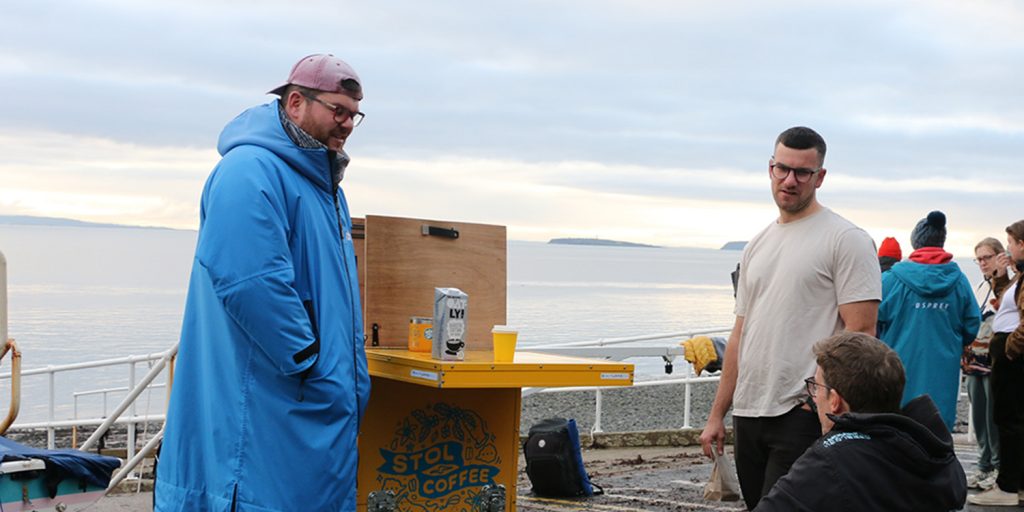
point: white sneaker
(976, 480)
(994, 497)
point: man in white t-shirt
(807, 276)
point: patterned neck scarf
(305, 140)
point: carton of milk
(449, 324)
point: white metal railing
(105, 393)
(603, 348)
(131, 362)
(606, 348)
(611, 348)
(157, 362)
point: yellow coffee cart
(442, 436)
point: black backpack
(554, 462)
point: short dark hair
(1016, 230)
(802, 137)
(353, 88)
(866, 373)
(305, 91)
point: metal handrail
(90, 364)
(3, 297)
(12, 412)
(9, 346)
(602, 342)
(86, 422)
(104, 391)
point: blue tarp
(61, 465)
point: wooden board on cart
(399, 267)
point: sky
(646, 121)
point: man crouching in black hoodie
(872, 456)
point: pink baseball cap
(323, 72)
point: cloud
(101, 180)
(573, 116)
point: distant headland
(30, 220)
(733, 246)
(597, 241)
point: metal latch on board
(491, 498)
(381, 501)
(436, 231)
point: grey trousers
(979, 390)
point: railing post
(686, 397)
(74, 429)
(51, 441)
(597, 411)
(131, 412)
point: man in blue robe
(271, 379)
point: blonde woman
(1007, 350)
(977, 362)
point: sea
(80, 294)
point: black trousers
(1008, 413)
(767, 447)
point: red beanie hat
(891, 248)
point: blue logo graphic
(439, 459)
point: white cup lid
(504, 329)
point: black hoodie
(890, 462)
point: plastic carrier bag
(723, 485)
(554, 462)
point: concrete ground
(635, 479)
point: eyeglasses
(781, 172)
(811, 384)
(340, 112)
(984, 259)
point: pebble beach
(640, 408)
(623, 410)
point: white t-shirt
(1007, 316)
(793, 277)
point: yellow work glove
(699, 351)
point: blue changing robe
(271, 379)
(927, 315)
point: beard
(792, 203)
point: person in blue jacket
(271, 380)
(928, 315)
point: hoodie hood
(895, 461)
(917, 437)
(261, 126)
(927, 280)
